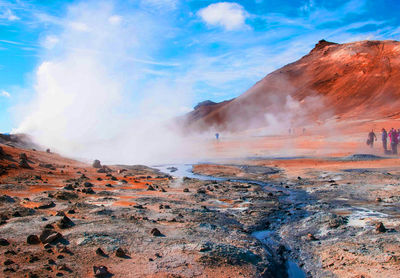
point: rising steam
(88, 102)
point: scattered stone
(8, 262)
(311, 237)
(155, 232)
(49, 236)
(65, 223)
(69, 187)
(33, 239)
(100, 252)
(380, 228)
(88, 191)
(48, 205)
(120, 253)
(88, 184)
(4, 242)
(96, 164)
(186, 190)
(65, 195)
(201, 191)
(101, 271)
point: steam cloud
(88, 103)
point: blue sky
(193, 50)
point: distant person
(217, 136)
(393, 135)
(304, 130)
(290, 131)
(384, 140)
(371, 138)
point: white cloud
(5, 94)
(115, 19)
(161, 4)
(231, 16)
(9, 15)
(50, 42)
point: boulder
(101, 271)
(33, 239)
(49, 236)
(96, 164)
(65, 223)
(380, 228)
(4, 242)
(156, 232)
(120, 253)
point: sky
(176, 52)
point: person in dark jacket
(384, 140)
(393, 135)
(371, 138)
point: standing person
(371, 137)
(384, 140)
(393, 140)
(217, 136)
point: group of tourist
(394, 138)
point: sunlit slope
(341, 81)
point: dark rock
(201, 191)
(88, 191)
(380, 228)
(7, 199)
(186, 190)
(155, 232)
(23, 156)
(69, 187)
(4, 242)
(96, 164)
(8, 262)
(65, 223)
(46, 206)
(88, 184)
(100, 252)
(33, 239)
(49, 236)
(101, 271)
(48, 151)
(65, 195)
(150, 188)
(120, 253)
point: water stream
(265, 236)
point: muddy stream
(293, 199)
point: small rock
(46, 206)
(49, 236)
(33, 239)
(88, 184)
(4, 242)
(378, 199)
(155, 232)
(150, 188)
(65, 223)
(186, 190)
(120, 253)
(380, 228)
(8, 262)
(311, 237)
(101, 271)
(100, 252)
(96, 164)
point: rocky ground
(61, 217)
(341, 216)
(334, 217)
